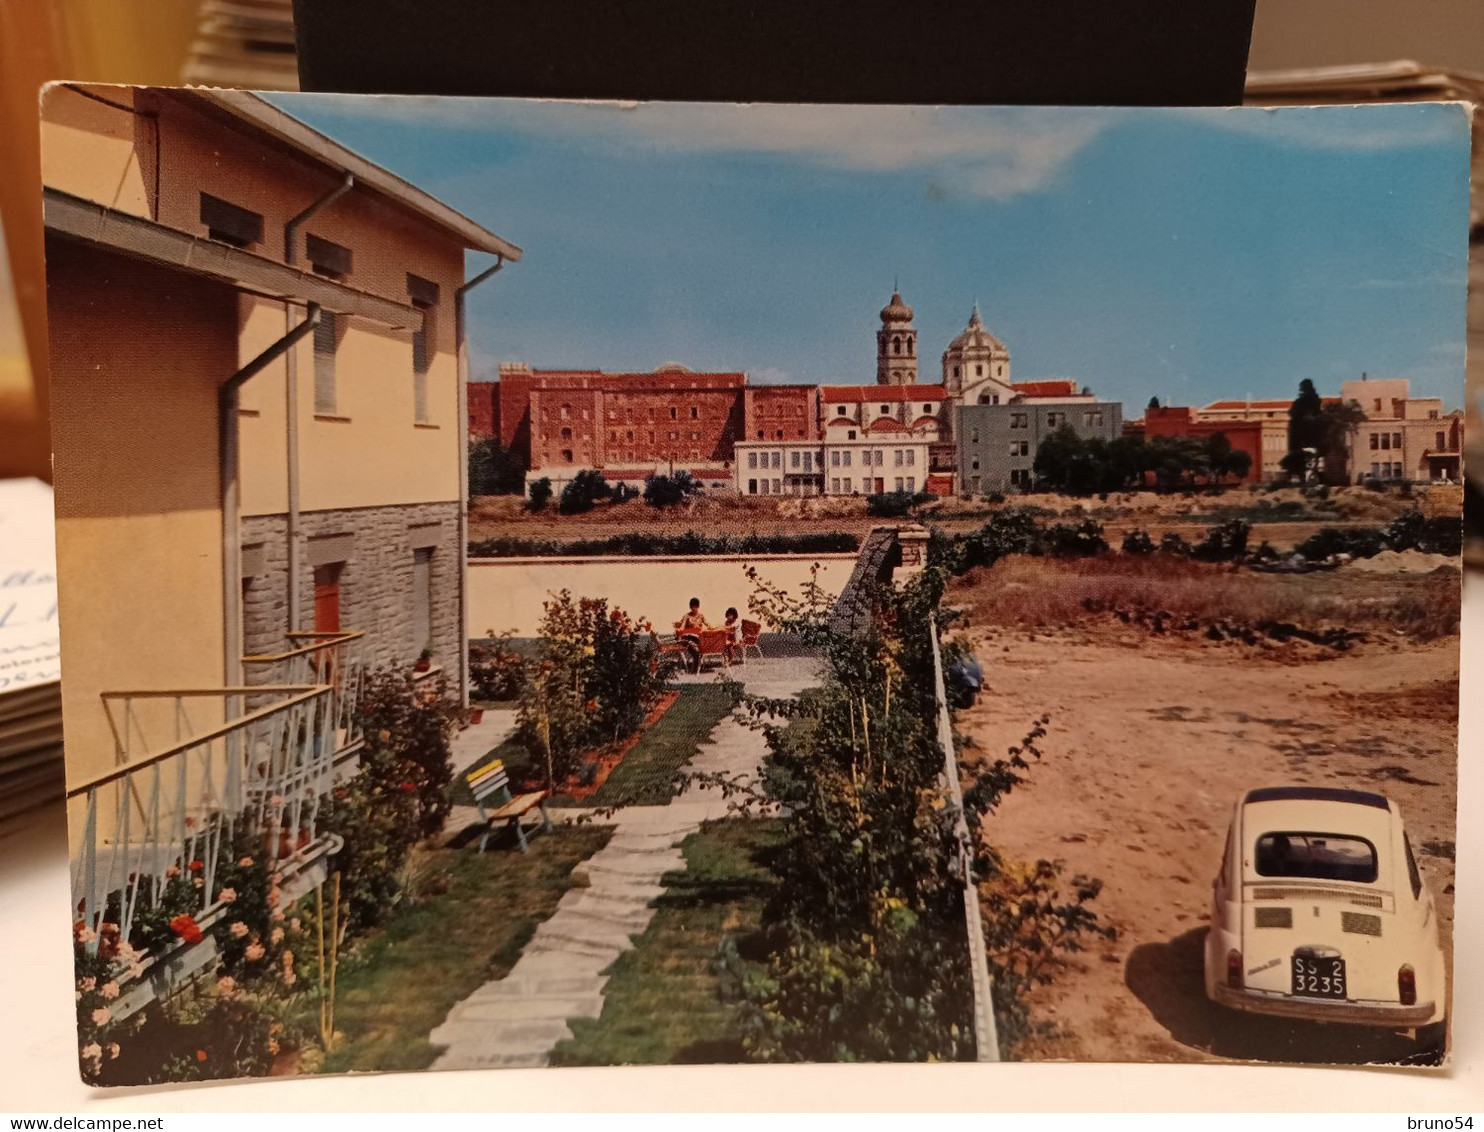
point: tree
(587, 488)
(1338, 423)
(1154, 402)
(1305, 428)
(494, 469)
(1222, 460)
(667, 491)
(540, 493)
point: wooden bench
(490, 785)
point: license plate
(1318, 978)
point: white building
(862, 464)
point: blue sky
(1185, 254)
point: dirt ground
(491, 516)
(1150, 742)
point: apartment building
(258, 378)
(871, 464)
(997, 443)
(1402, 437)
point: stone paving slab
(562, 971)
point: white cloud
(1363, 128)
(989, 152)
(770, 375)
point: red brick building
(628, 424)
(484, 409)
(780, 412)
(1245, 436)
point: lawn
(663, 1003)
(474, 915)
(646, 776)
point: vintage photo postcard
(551, 584)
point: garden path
(478, 739)
(517, 1020)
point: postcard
(552, 584)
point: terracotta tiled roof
(1046, 388)
(886, 394)
(1279, 404)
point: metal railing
(986, 1035)
(173, 808)
(331, 659)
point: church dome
(975, 336)
(896, 310)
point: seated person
(733, 626)
(694, 621)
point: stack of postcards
(30, 689)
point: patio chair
(491, 784)
(751, 631)
(712, 642)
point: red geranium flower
(407, 787)
(196, 866)
(186, 928)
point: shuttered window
(422, 599)
(420, 374)
(326, 337)
(327, 258)
(230, 223)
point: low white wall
(506, 593)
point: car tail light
(1406, 985)
(1234, 969)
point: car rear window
(1317, 856)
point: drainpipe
(462, 355)
(291, 400)
(227, 401)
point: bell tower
(896, 344)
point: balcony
(197, 772)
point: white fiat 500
(1320, 912)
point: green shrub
(540, 494)
(1074, 540)
(586, 489)
(641, 544)
(494, 469)
(897, 504)
(1225, 542)
(667, 491)
(1138, 542)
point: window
(911, 458)
(1396, 440)
(424, 292)
(978, 370)
(422, 599)
(752, 487)
(765, 487)
(1054, 420)
(673, 412)
(759, 434)
(835, 485)
(1441, 442)
(886, 408)
(777, 459)
(850, 434)
(327, 597)
(1432, 414)
(840, 410)
(927, 408)
(229, 224)
(1020, 447)
(897, 452)
(835, 459)
(847, 482)
(1316, 856)
(566, 412)
(911, 483)
(974, 464)
(793, 459)
(566, 455)
(566, 434)
(327, 258)
(808, 461)
(1019, 420)
(1375, 441)
(1386, 441)
(1093, 419)
(845, 459)
(974, 436)
(752, 459)
(898, 483)
(777, 487)
(955, 371)
(694, 414)
(326, 341)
